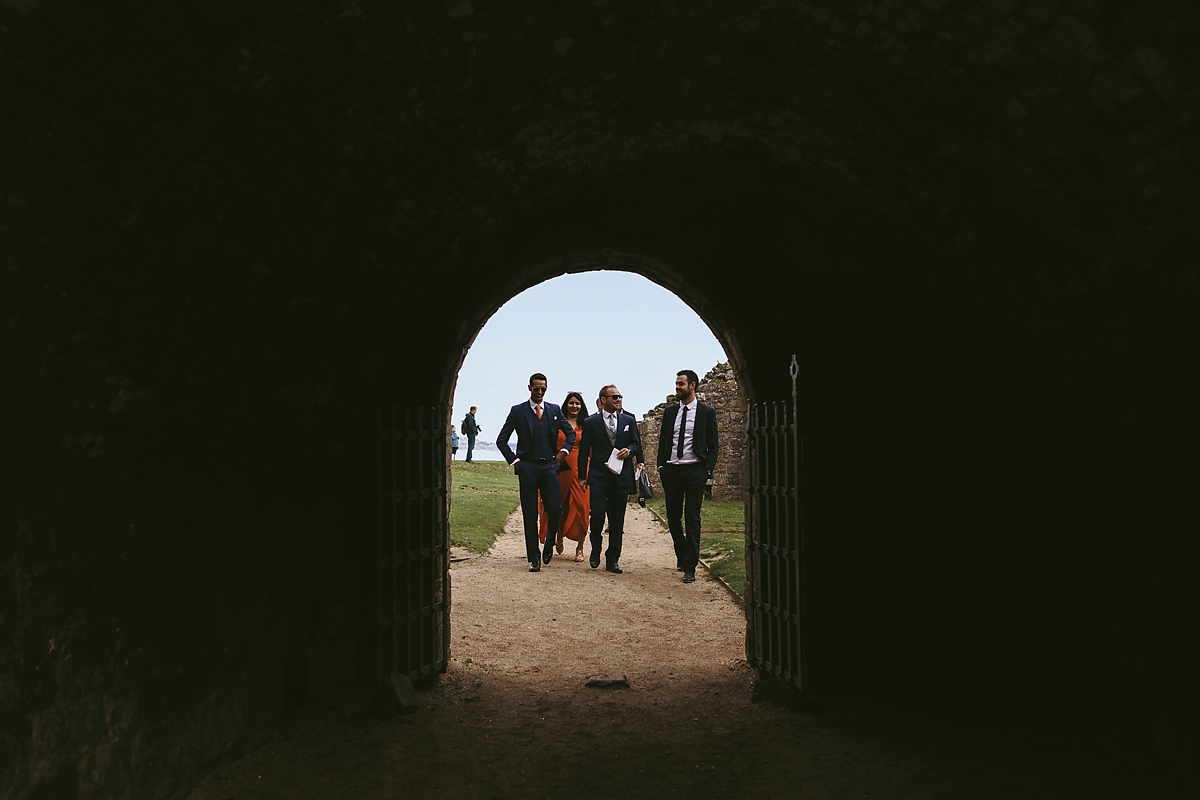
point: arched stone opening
(732, 408)
(983, 209)
(904, 350)
(910, 354)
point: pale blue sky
(643, 337)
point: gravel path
(511, 718)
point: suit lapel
(666, 429)
(532, 421)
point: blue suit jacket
(595, 447)
(521, 420)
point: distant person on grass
(687, 455)
(540, 453)
(471, 429)
(453, 442)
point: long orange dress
(576, 501)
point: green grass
(722, 539)
(482, 495)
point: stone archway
(732, 412)
(985, 206)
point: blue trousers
(611, 499)
(535, 477)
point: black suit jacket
(704, 436)
(595, 447)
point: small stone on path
(459, 554)
(608, 681)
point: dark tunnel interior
(228, 232)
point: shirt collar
(692, 405)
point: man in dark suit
(536, 462)
(687, 455)
(607, 431)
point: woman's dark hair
(583, 412)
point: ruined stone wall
(719, 389)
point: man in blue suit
(536, 463)
(609, 429)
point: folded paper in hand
(614, 464)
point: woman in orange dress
(576, 502)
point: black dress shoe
(535, 566)
(613, 567)
(548, 551)
(689, 577)
(595, 558)
(679, 566)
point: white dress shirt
(689, 455)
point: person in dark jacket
(607, 433)
(471, 429)
(687, 455)
(536, 462)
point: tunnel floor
(511, 718)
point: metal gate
(775, 540)
(414, 581)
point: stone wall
(719, 389)
(221, 241)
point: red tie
(538, 410)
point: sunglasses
(615, 396)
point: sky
(542, 330)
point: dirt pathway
(512, 718)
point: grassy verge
(482, 495)
(722, 539)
